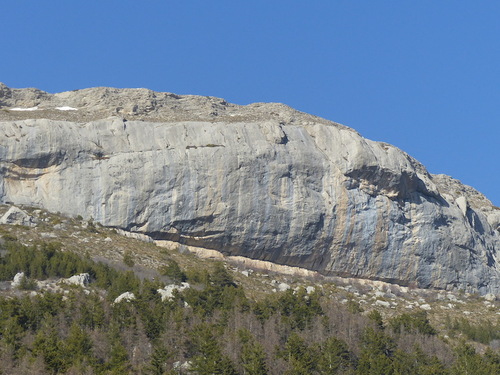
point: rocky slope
(262, 181)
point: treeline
(210, 328)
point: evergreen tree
(158, 361)
(468, 362)
(78, 344)
(300, 357)
(208, 359)
(48, 345)
(253, 357)
(174, 272)
(413, 323)
(118, 363)
(376, 317)
(376, 353)
(334, 357)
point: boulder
(82, 280)
(125, 297)
(16, 216)
(18, 279)
(167, 293)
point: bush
(174, 272)
(128, 259)
(412, 323)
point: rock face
(262, 181)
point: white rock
(494, 220)
(283, 287)
(138, 236)
(18, 278)
(24, 109)
(181, 367)
(126, 297)
(490, 297)
(426, 306)
(167, 293)
(66, 108)
(382, 303)
(82, 279)
(310, 289)
(462, 204)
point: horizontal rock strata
(262, 181)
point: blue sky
(422, 75)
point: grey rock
(262, 181)
(82, 280)
(16, 216)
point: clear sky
(422, 75)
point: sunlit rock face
(262, 181)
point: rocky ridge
(261, 181)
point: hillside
(231, 319)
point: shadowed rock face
(261, 181)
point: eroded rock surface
(262, 181)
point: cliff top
(138, 104)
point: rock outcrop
(82, 280)
(262, 181)
(16, 216)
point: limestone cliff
(262, 181)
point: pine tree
(376, 353)
(48, 345)
(158, 361)
(209, 359)
(334, 357)
(253, 357)
(376, 317)
(118, 363)
(78, 343)
(468, 362)
(300, 357)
